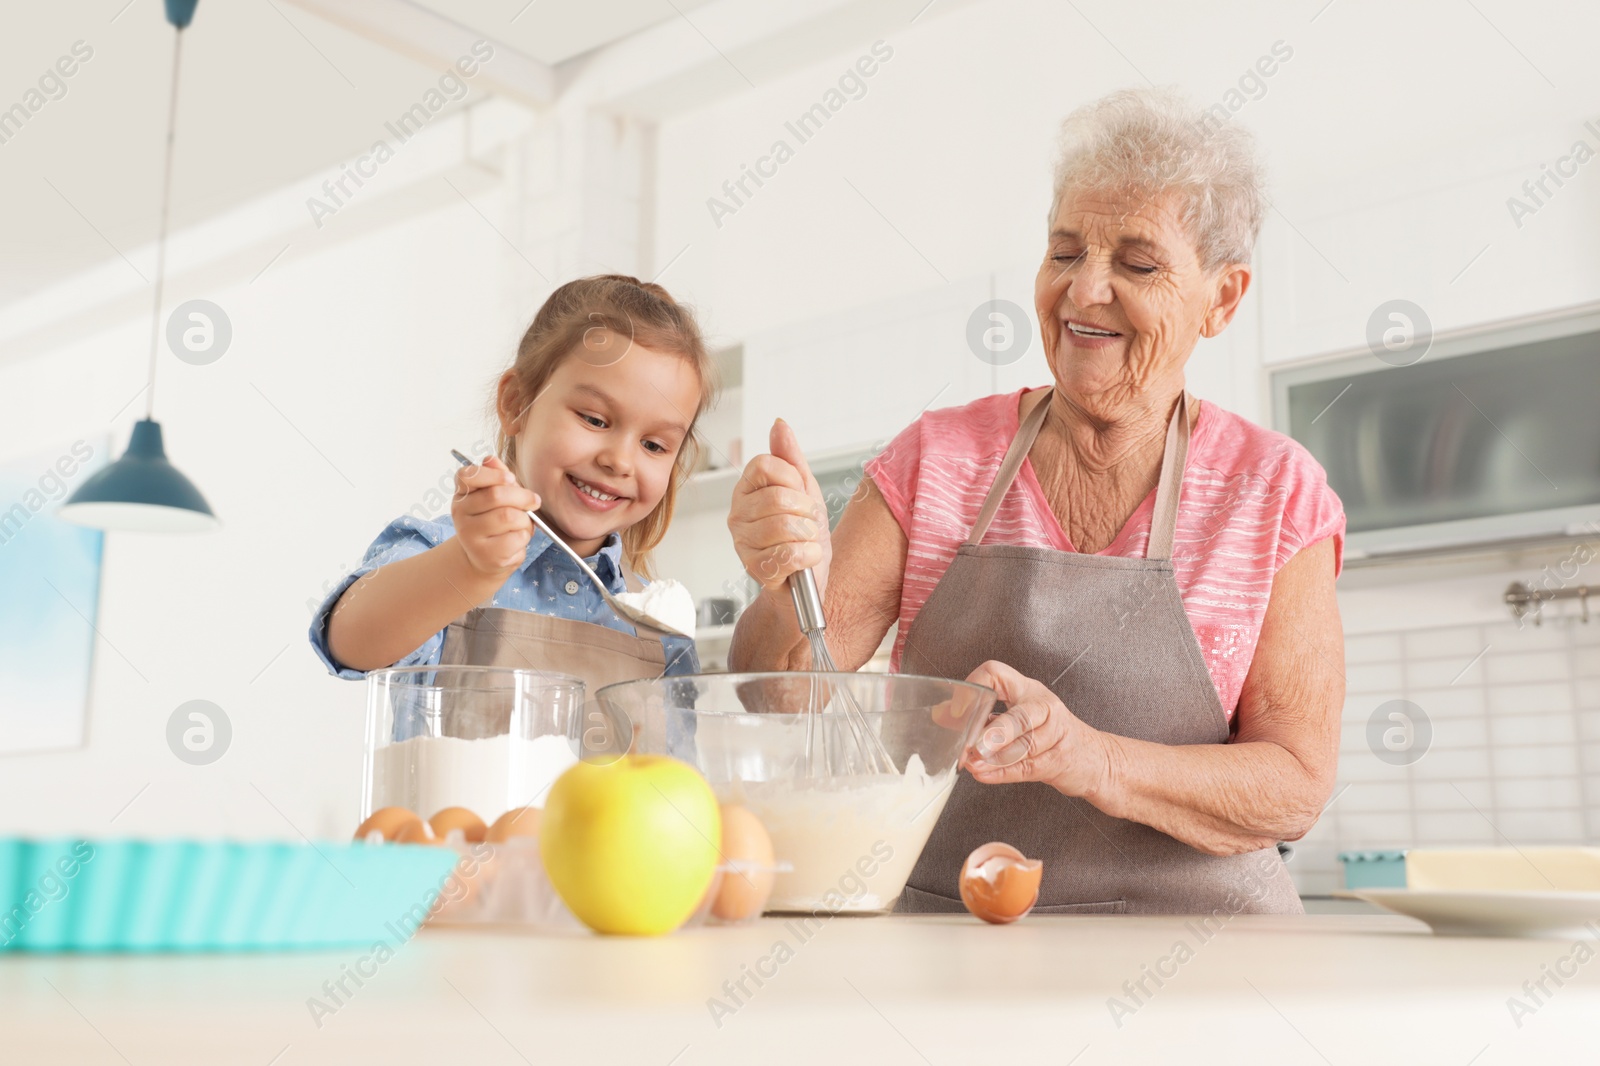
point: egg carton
(506, 884)
(708, 914)
(501, 884)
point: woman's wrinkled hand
(1036, 739)
(778, 518)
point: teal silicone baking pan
(133, 895)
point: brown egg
(387, 820)
(999, 884)
(450, 818)
(517, 822)
(747, 848)
(418, 832)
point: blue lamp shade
(141, 492)
(180, 12)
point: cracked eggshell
(999, 884)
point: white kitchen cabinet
(856, 378)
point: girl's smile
(593, 496)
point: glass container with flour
(851, 837)
(486, 738)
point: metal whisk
(875, 758)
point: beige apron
(600, 655)
(1110, 637)
(502, 636)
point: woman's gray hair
(1147, 142)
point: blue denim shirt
(548, 582)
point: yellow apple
(630, 844)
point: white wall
(379, 353)
(952, 143)
(1505, 727)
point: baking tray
(178, 895)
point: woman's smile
(1081, 334)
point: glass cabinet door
(1515, 429)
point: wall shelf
(708, 489)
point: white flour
(834, 831)
(667, 601)
(488, 777)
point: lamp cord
(161, 239)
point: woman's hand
(1036, 739)
(778, 518)
(490, 511)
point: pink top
(1251, 499)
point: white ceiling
(270, 93)
(553, 31)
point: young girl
(597, 419)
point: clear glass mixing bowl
(852, 837)
(486, 738)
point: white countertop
(1317, 989)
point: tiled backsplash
(1514, 756)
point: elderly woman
(1145, 579)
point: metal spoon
(632, 614)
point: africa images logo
(52, 86)
(452, 86)
(852, 85)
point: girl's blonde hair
(628, 307)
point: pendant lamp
(142, 491)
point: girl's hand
(1036, 739)
(490, 511)
(778, 518)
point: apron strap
(1174, 458)
(1027, 433)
